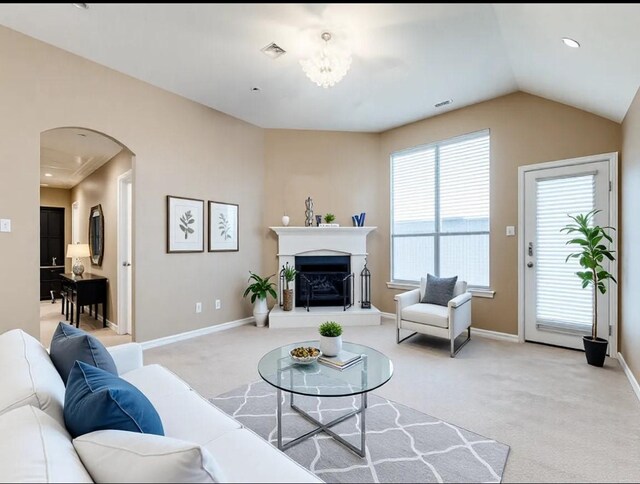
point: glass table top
(317, 379)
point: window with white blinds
(440, 210)
(562, 304)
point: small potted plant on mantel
(592, 253)
(330, 338)
(289, 274)
(259, 289)
(329, 218)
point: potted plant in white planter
(289, 274)
(259, 289)
(591, 254)
(330, 338)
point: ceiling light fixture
(48, 175)
(83, 6)
(574, 44)
(328, 66)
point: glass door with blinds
(558, 310)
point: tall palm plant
(592, 253)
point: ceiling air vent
(443, 103)
(273, 50)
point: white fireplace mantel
(299, 241)
(302, 240)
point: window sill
(475, 291)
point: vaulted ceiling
(406, 57)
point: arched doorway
(86, 204)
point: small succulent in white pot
(330, 338)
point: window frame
(437, 234)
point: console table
(86, 290)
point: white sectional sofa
(42, 451)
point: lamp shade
(78, 250)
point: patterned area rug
(403, 445)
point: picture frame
(185, 225)
(224, 227)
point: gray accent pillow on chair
(439, 290)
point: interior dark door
(51, 249)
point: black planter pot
(596, 350)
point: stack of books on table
(343, 360)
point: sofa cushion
(258, 461)
(439, 290)
(145, 458)
(430, 314)
(28, 376)
(36, 448)
(70, 344)
(181, 409)
(97, 400)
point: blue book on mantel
(362, 216)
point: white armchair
(444, 321)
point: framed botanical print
(185, 225)
(223, 227)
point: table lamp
(77, 251)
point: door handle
(529, 265)
(530, 249)
(126, 264)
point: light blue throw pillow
(97, 400)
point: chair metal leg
(398, 340)
(454, 350)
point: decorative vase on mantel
(260, 312)
(285, 220)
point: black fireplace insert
(324, 281)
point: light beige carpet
(565, 421)
(50, 317)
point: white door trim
(123, 235)
(75, 222)
(612, 158)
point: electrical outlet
(511, 231)
(5, 225)
(198, 307)
(218, 305)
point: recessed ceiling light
(443, 103)
(83, 6)
(48, 175)
(574, 44)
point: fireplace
(323, 281)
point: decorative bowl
(313, 355)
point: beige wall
(59, 197)
(337, 170)
(349, 172)
(630, 235)
(182, 148)
(525, 129)
(101, 188)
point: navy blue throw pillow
(97, 400)
(70, 344)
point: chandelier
(328, 66)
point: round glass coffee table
(319, 380)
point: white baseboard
(630, 375)
(109, 323)
(390, 316)
(195, 333)
(485, 333)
